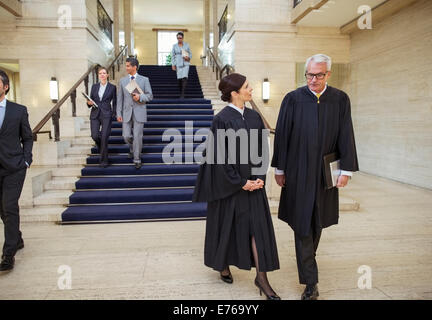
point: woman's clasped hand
(252, 185)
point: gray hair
(319, 58)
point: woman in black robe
(239, 228)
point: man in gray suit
(132, 111)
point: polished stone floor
(391, 234)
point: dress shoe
(7, 263)
(20, 244)
(138, 165)
(228, 278)
(310, 292)
(269, 297)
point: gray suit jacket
(125, 103)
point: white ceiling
(336, 13)
(168, 12)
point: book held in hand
(133, 87)
(185, 54)
(332, 170)
(90, 99)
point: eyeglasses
(319, 76)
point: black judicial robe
(233, 214)
(306, 131)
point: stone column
(215, 27)
(206, 37)
(128, 25)
(116, 35)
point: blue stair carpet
(158, 190)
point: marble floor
(391, 235)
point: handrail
(266, 124)
(54, 113)
(229, 69)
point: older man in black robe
(314, 121)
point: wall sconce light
(266, 90)
(54, 90)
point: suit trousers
(10, 191)
(133, 135)
(100, 132)
(306, 248)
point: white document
(90, 99)
(185, 54)
(335, 171)
(133, 87)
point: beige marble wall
(44, 50)
(146, 44)
(391, 94)
(268, 46)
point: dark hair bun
(230, 83)
(226, 97)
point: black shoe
(269, 297)
(130, 155)
(7, 263)
(310, 292)
(138, 165)
(228, 278)
(20, 245)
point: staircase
(158, 190)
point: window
(105, 22)
(166, 40)
(223, 23)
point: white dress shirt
(102, 89)
(237, 108)
(2, 111)
(343, 172)
(2, 116)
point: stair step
(124, 148)
(78, 150)
(57, 197)
(146, 158)
(63, 183)
(131, 196)
(66, 172)
(72, 160)
(153, 140)
(84, 133)
(136, 182)
(42, 214)
(144, 170)
(135, 212)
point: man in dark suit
(104, 94)
(16, 143)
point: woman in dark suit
(104, 94)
